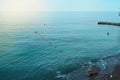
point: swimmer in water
(108, 33)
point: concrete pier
(109, 23)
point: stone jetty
(109, 23)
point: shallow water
(66, 39)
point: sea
(56, 43)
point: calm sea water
(56, 42)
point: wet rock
(116, 73)
(60, 76)
(93, 70)
(94, 60)
(102, 64)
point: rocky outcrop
(107, 68)
(92, 71)
(115, 75)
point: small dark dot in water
(35, 32)
(61, 51)
(69, 56)
(50, 43)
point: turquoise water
(55, 42)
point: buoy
(61, 51)
(35, 32)
(69, 57)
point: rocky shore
(107, 68)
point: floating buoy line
(53, 46)
(47, 41)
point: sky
(16, 11)
(86, 5)
(67, 5)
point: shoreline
(109, 69)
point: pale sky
(85, 5)
(65, 5)
(20, 11)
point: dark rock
(116, 73)
(94, 60)
(92, 71)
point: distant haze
(22, 11)
(67, 5)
